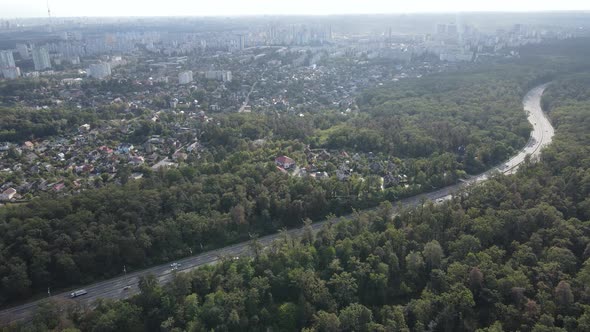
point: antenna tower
(48, 12)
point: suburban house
(59, 186)
(7, 194)
(284, 162)
(193, 147)
(28, 145)
(124, 148)
(105, 149)
(84, 128)
(320, 175)
(136, 160)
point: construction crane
(49, 14)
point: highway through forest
(126, 285)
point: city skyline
(70, 8)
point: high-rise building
(23, 50)
(220, 75)
(11, 72)
(6, 59)
(41, 58)
(185, 77)
(452, 29)
(7, 66)
(99, 70)
(226, 77)
(243, 41)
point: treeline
(233, 188)
(206, 203)
(21, 124)
(13, 91)
(73, 240)
(510, 254)
(474, 115)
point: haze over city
(64, 8)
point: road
(115, 288)
(245, 103)
(247, 100)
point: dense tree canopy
(510, 254)
(434, 129)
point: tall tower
(242, 42)
(49, 15)
(6, 59)
(41, 58)
(459, 28)
(7, 66)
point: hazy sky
(60, 8)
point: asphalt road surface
(125, 286)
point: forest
(512, 254)
(21, 124)
(235, 188)
(474, 116)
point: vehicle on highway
(77, 293)
(175, 266)
(440, 200)
(126, 287)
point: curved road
(115, 288)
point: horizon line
(548, 11)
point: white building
(242, 42)
(6, 59)
(117, 61)
(185, 77)
(99, 70)
(11, 72)
(41, 58)
(7, 66)
(8, 194)
(23, 50)
(220, 75)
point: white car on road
(78, 293)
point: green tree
(355, 317)
(433, 254)
(564, 297)
(288, 316)
(326, 322)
